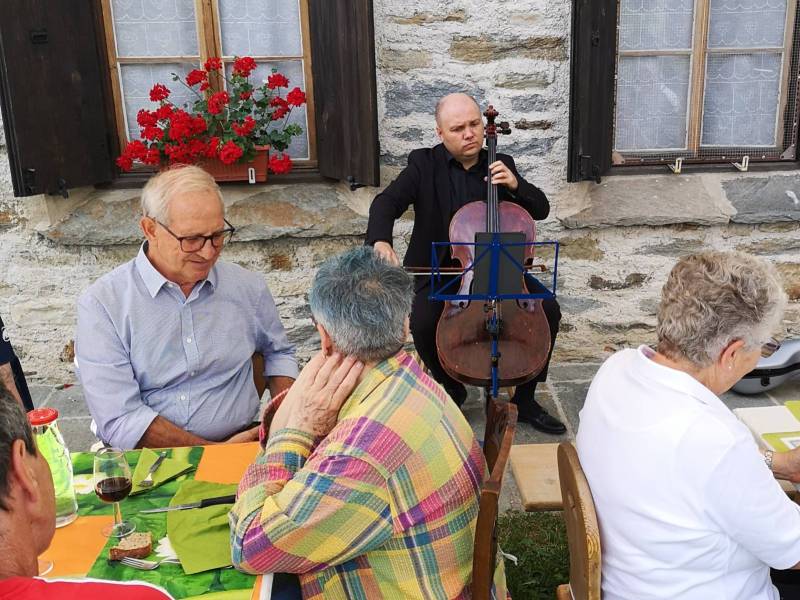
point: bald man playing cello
(438, 181)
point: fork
(148, 481)
(147, 565)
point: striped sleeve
(295, 515)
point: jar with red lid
(44, 422)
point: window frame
(622, 160)
(209, 39)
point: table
(76, 547)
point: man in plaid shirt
(369, 481)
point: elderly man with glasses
(164, 342)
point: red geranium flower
(125, 162)
(164, 111)
(217, 102)
(230, 152)
(282, 164)
(136, 149)
(152, 133)
(276, 80)
(196, 76)
(159, 92)
(281, 107)
(244, 66)
(244, 114)
(213, 64)
(212, 148)
(296, 97)
(245, 128)
(145, 118)
(153, 157)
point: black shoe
(536, 416)
(457, 392)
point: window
(702, 80)
(148, 41)
(74, 75)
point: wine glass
(112, 483)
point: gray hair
(13, 426)
(714, 298)
(161, 188)
(362, 302)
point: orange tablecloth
(76, 546)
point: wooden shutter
(51, 87)
(345, 96)
(591, 119)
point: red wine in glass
(113, 489)
(112, 483)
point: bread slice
(136, 545)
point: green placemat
(171, 577)
(170, 468)
(201, 536)
(90, 504)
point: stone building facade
(618, 239)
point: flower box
(239, 171)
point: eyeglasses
(770, 347)
(195, 243)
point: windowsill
(137, 179)
(707, 197)
(697, 168)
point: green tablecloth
(170, 577)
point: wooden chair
(501, 422)
(258, 373)
(583, 533)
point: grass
(539, 541)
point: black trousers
(425, 316)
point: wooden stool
(535, 469)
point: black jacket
(425, 183)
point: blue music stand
(494, 249)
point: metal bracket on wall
(744, 165)
(676, 168)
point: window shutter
(51, 87)
(345, 96)
(591, 119)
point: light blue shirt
(143, 349)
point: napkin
(201, 536)
(170, 468)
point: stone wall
(618, 239)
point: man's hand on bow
(319, 392)
(502, 175)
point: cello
(489, 341)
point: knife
(201, 504)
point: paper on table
(782, 441)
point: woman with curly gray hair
(687, 505)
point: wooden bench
(535, 469)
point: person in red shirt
(28, 517)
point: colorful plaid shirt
(385, 506)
